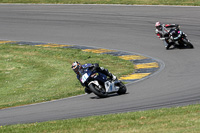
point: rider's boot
(106, 72)
(113, 77)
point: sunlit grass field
(31, 74)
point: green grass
(31, 74)
(173, 120)
(128, 2)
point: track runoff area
(144, 65)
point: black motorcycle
(178, 39)
(99, 84)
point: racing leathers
(162, 33)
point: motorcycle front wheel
(188, 44)
(122, 89)
(97, 91)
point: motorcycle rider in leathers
(77, 67)
(162, 32)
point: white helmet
(76, 66)
(157, 24)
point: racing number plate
(84, 78)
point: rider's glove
(162, 38)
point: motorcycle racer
(162, 32)
(77, 68)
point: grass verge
(30, 74)
(14, 72)
(173, 120)
(128, 2)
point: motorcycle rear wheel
(100, 93)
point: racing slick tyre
(122, 89)
(188, 44)
(99, 92)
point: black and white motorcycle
(178, 39)
(100, 85)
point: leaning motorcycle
(100, 85)
(179, 39)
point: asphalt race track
(126, 28)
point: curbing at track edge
(144, 66)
